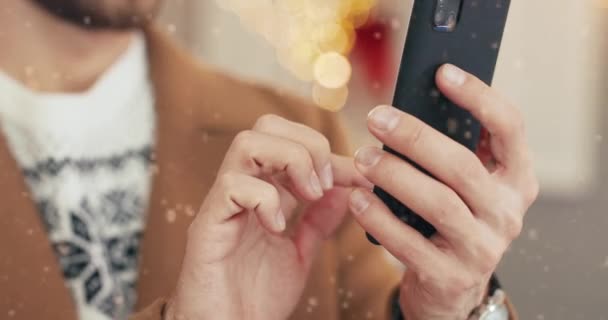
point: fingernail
(368, 156)
(327, 177)
(384, 118)
(315, 184)
(454, 75)
(280, 220)
(358, 202)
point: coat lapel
(187, 156)
(31, 283)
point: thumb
(319, 221)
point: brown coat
(199, 112)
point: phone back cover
(472, 46)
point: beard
(103, 14)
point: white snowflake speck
(171, 215)
(395, 23)
(313, 301)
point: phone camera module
(446, 15)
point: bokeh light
(312, 39)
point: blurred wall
(559, 269)
(553, 65)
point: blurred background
(553, 64)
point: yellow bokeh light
(332, 70)
(311, 37)
(329, 99)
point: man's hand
(477, 204)
(239, 262)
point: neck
(50, 55)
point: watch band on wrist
(493, 308)
(493, 285)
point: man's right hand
(239, 262)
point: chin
(103, 14)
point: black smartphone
(466, 33)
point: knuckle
(318, 146)
(226, 180)
(267, 121)
(269, 194)
(509, 213)
(514, 126)
(449, 206)
(487, 266)
(415, 136)
(488, 258)
(298, 154)
(511, 121)
(520, 123)
(243, 139)
(469, 173)
(531, 192)
(513, 226)
(323, 143)
(482, 93)
(517, 116)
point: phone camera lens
(446, 15)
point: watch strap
(493, 285)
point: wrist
(413, 314)
(199, 294)
(413, 309)
(175, 311)
(406, 309)
(182, 309)
(168, 313)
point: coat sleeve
(152, 312)
(366, 274)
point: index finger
(501, 118)
(312, 140)
(346, 174)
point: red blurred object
(373, 53)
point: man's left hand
(477, 201)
